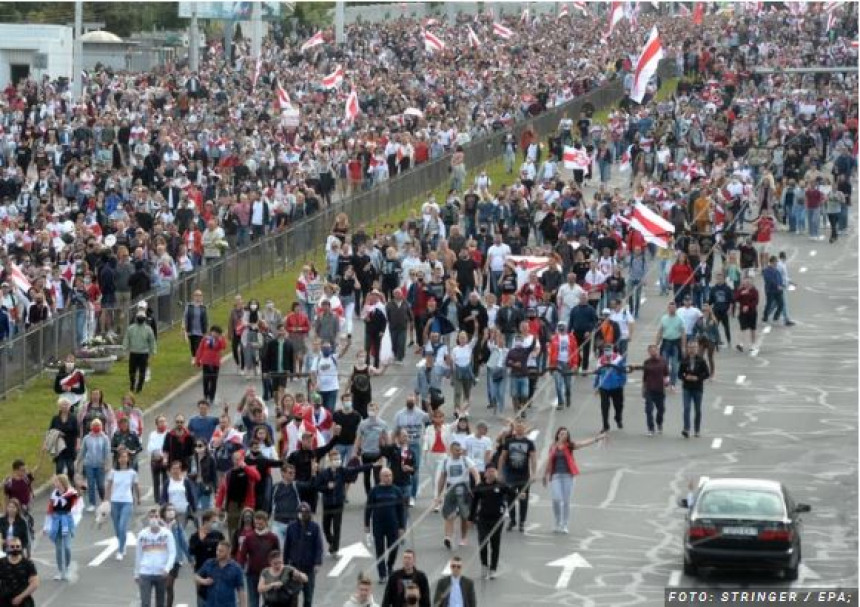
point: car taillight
(776, 535)
(698, 532)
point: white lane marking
(841, 309)
(391, 391)
(803, 270)
(741, 379)
(767, 329)
(813, 253)
(728, 410)
(717, 443)
(674, 578)
(613, 488)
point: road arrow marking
(568, 564)
(805, 573)
(111, 545)
(353, 551)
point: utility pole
(338, 22)
(256, 29)
(194, 41)
(78, 52)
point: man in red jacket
(209, 354)
(236, 491)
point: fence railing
(24, 357)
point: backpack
(449, 214)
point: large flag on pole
(502, 31)
(616, 12)
(258, 68)
(432, 43)
(646, 65)
(313, 41)
(564, 11)
(575, 159)
(580, 6)
(334, 79)
(698, 13)
(352, 108)
(283, 98)
(654, 228)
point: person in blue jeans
(96, 456)
(671, 336)
(123, 492)
(693, 373)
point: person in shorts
(453, 491)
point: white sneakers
(91, 508)
(119, 556)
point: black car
(736, 523)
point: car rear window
(740, 503)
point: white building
(34, 51)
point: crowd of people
(509, 285)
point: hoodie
(156, 552)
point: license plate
(745, 531)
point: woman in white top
(437, 440)
(179, 493)
(123, 492)
(463, 376)
(157, 459)
(461, 431)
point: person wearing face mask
(210, 349)
(325, 373)
(70, 381)
(177, 528)
(254, 554)
(155, 557)
(413, 420)
(139, 342)
(19, 576)
(202, 546)
(95, 458)
(332, 483)
(252, 338)
(280, 584)
(278, 361)
(367, 442)
(223, 579)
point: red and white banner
(502, 31)
(334, 79)
(616, 13)
(646, 65)
(564, 11)
(352, 109)
(654, 228)
(313, 41)
(474, 41)
(283, 98)
(575, 159)
(432, 43)
(19, 278)
(529, 263)
(581, 7)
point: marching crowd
(500, 284)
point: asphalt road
(789, 413)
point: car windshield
(740, 503)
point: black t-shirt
(465, 269)
(238, 486)
(519, 450)
(14, 579)
(201, 550)
(348, 423)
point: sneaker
(119, 556)
(59, 576)
(650, 434)
(447, 543)
(411, 502)
(739, 348)
(559, 407)
(511, 526)
(383, 581)
(565, 530)
(659, 429)
(685, 434)
(91, 508)
(522, 528)
(435, 508)
(790, 323)
(619, 424)
(697, 435)
(492, 574)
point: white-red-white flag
(313, 41)
(352, 109)
(283, 98)
(474, 41)
(432, 42)
(646, 65)
(334, 79)
(564, 11)
(19, 278)
(575, 159)
(257, 69)
(502, 31)
(654, 228)
(524, 16)
(683, 11)
(616, 13)
(581, 7)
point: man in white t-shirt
(497, 254)
(325, 370)
(690, 315)
(479, 447)
(625, 321)
(568, 297)
(453, 491)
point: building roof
(101, 37)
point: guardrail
(23, 357)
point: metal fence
(24, 357)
